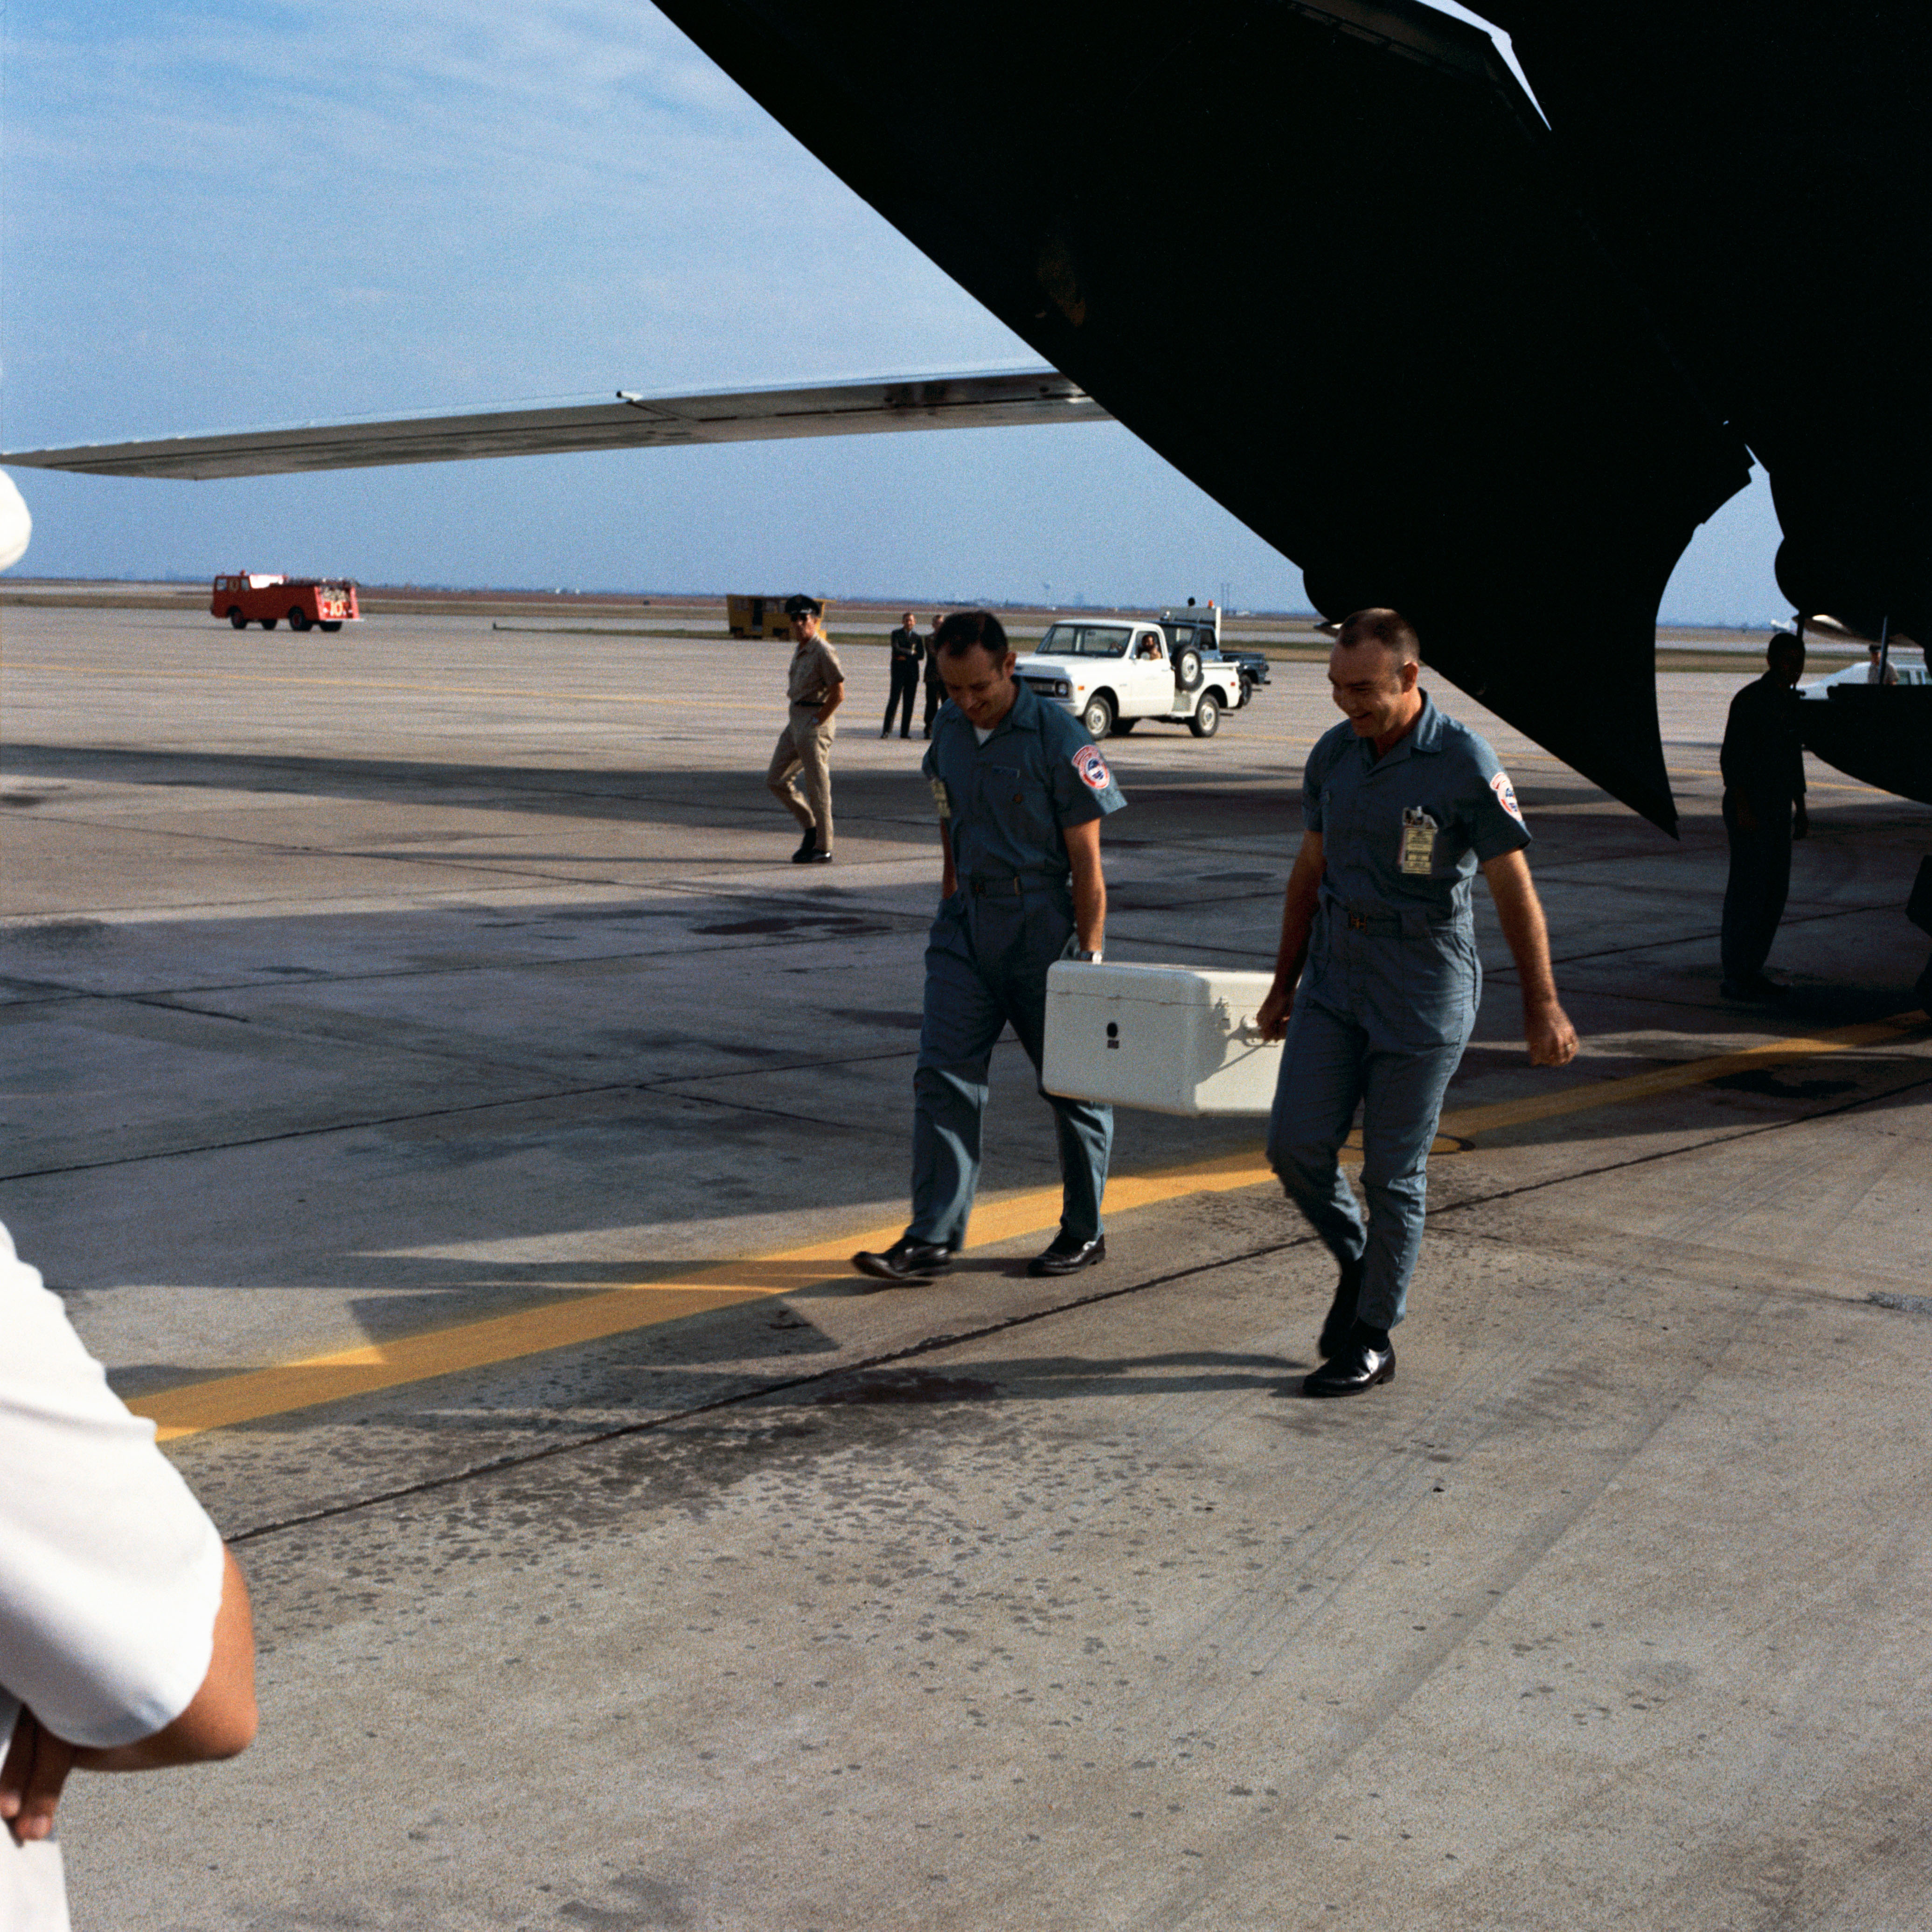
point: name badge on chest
(1419, 832)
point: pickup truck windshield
(1084, 641)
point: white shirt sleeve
(110, 1571)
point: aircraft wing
(1004, 399)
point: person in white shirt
(1878, 668)
(126, 1642)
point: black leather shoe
(1066, 1257)
(1756, 991)
(905, 1260)
(812, 855)
(1341, 1311)
(1359, 1365)
(805, 845)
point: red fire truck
(253, 597)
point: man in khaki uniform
(814, 688)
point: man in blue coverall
(1020, 791)
(1401, 804)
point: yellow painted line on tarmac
(226, 1401)
(1471, 1123)
(314, 1380)
(1811, 784)
(15, 666)
(317, 1379)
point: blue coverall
(1388, 997)
(1003, 803)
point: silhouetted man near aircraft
(1763, 765)
(907, 648)
(1401, 805)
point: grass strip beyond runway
(226, 1401)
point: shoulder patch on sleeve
(1505, 793)
(1092, 768)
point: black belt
(1391, 925)
(982, 886)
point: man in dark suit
(935, 689)
(908, 649)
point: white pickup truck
(1112, 672)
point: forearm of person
(221, 1719)
(831, 703)
(1297, 921)
(219, 1722)
(1520, 914)
(1297, 912)
(1547, 1032)
(1090, 884)
(949, 880)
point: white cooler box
(1166, 1038)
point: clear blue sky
(225, 216)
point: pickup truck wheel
(1098, 716)
(1207, 719)
(235, 617)
(269, 623)
(1187, 670)
(298, 619)
(331, 623)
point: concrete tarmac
(443, 1107)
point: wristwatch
(1085, 958)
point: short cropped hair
(971, 630)
(1783, 643)
(1390, 629)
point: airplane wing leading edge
(1007, 399)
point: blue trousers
(985, 964)
(1384, 1026)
